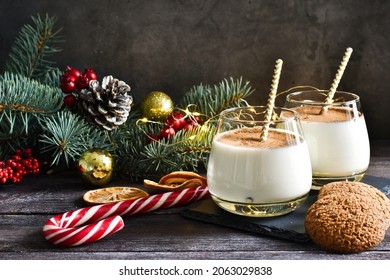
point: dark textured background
(173, 45)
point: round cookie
(360, 189)
(346, 223)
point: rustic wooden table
(162, 234)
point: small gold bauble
(156, 106)
(96, 167)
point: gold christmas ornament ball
(96, 167)
(156, 106)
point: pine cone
(107, 105)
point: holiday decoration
(107, 105)
(156, 106)
(174, 123)
(175, 120)
(96, 167)
(61, 114)
(90, 224)
(113, 194)
(20, 164)
(70, 101)
(177, 180)
(68, 84)
(72, 79)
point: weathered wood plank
(148, 233)
(200, 255)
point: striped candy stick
(90, 224)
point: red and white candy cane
(90, 224)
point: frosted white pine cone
(107, 105)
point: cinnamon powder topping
(332, 114)
(250, 138)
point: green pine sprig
(33, 47)
(29, 86)
(212, 100)
(66, 136)
(20, 93)
(21, 101)
(186, 150)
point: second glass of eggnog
(336, 135)
(259, 178)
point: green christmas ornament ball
(156, 106)
(96, 167)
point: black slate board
(289, 226)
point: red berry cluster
(73, 80)
(174, 123)
(20, 164)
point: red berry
(27, 152)
(72, 72)
(90, 74)
(66, 77)
(69, 100)
(68, 85)
(189, 125)
(175, 120)
(16, 157)
(82, 82)
(167, 132)
(20, 164)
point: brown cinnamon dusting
(332, 114)
(250, 138)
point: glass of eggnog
(259, 178)
(336, 135)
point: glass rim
(293, 117)
(355, 98)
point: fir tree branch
(17, 131)
(29, 53)
(52, 78)
(212, 100)
(19, 93)
(21, 100)
(185, 150)
(66, 136)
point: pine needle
(212, 100)
(19, 93)
(32, 48)
(66, 136)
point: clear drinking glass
(256, 178)
(336, 135)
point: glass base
(260, 210)
(318, 182)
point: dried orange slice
(113, 194)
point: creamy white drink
(338, 142)
(242, 169)
(336, 134)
